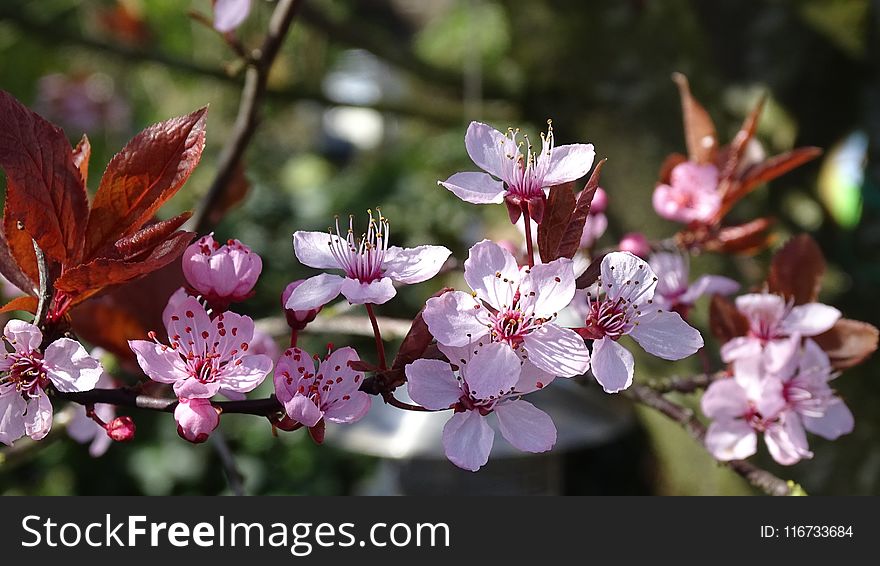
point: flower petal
(191, 388)
(724, 398)
(313, 249)
(492, 371)
(159, 362)
(12, 408)
(525, 426)
(628, 276)
(475, 188)
(612, 365)
(787, 441)
(315, 292)
(730, 439)
(303, 410)
(229, 14)
(488, 148)
(24, 336)
(70, 367)
(414, 265)
(38, 416)
(531, 378)
(292, 367)
(247, 375)
(810, 319)
(547, 288)
(557, 350)
(666, 335)
(432, 384)
(349, 410)
(708, 285)
(837, 421)
(741, 347)
(492, 272)
(569, 163)
(455, 318)
(467, 440)
(376, 292)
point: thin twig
(685, 384)
(227, 458)
(123, 397)
(252, 97)
(762, 479)
(377, 334)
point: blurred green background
(369, 103)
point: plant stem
(530, 252)
(380, 346)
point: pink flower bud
(222, 274)
(600, 202)
(297, 320)
(635, 243)
(196, 419)
(121, 429)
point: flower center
(511, 326)
(525, 172)
(361, 258)
(26, 373)
(205, 369)
(617, 312)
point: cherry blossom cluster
(558, 306)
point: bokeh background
(368, 106)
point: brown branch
(685, 384)
(762, 479)
(252, 96)
(124, 397)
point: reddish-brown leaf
(140, 178)
(44, 189)
(699, 130)
(797, 269)
(748, 238)
(85, 280)
(571, 236)
(725, 321)
(591, 275)
(146, 239)
(81, 154)
(737, 148)
(848, 343)
(10, 264)
(774, 167)
(25, 303)
(560, 205)
(21, 248)
(668, 165)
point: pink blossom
(691, 196)
(206, 356)
(514, 306)
(85, 430)
(674, 290)
(196, 419)
(776, 328)
(329, 392)
(623, 304)
(484, 380)
(511, 176)
(222, 274)
(229, 14)
(297, 320)
(25, 374)
(782, 405)
(635, 243)
(369, 264)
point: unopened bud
(121, 429)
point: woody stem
(530, 252)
